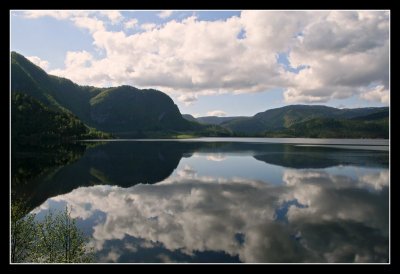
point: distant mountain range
(215, 120)
(316, 121)
(129, 112)
(293, 120)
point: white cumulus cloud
(165, 14)
(377, 94)
(340, 53)
(39, 62)
(216, 113)
(132, 23)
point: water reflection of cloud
(187, 172)
(340, 221)
(216, 157)
(376, 180)
(332, 197)
(343, 220)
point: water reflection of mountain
(31, 162)
(61, 169)
(321, 157)
(129, 163)
(293, 156)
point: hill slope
(215, 120)
(130, 112)
(31, 121)
(283, 118)
(125, 110)
(375, 125)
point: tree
(56, 239)
(23, 233)
(46, 247)
(60, 241)
(72, 241)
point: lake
(217, 200)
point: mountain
(375, 125)
(215, 120)
(129, 112)
(124, 111)
(189, 117)
(32, 120)
(284, 117)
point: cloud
(187, 172)
(337, 207)
(340, 53)
(132, 23)
(77, 59)
(190, 57)
(39, 62)
(377, 94)
(376, 180)
(216, 113)
(216, 157)
(344, 52)
(148, 26)
(57, 14)
(113, 16)
(189, 213)
(79, 67)
(93, 24)
(165, 14)
(188, 98)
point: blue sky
(225, 63)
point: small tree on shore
(56, 239)
(23, 233)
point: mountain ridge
(315, 121)
(285, 117)
(129, 112)
(124, 110)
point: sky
(217, 62)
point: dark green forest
(31, 120)
(314, 121)
(337, 128)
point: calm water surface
(219, 200)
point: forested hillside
(368, 126)
(47, 106)
(313, 121)
(124, 111)
(31, 120)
